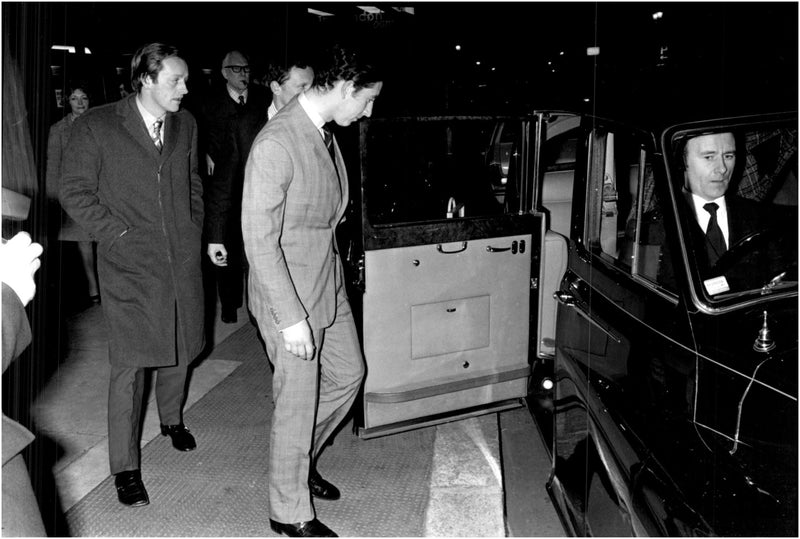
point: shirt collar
(148, 118)
(272, 110)
(315, 117)
(699, 202)
(235, 95)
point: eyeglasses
(239, 69)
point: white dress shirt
(271, 111)
(149, 120)
(315, 117)
(703, 217)
(235, 95)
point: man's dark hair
(147, 62)
(280, 72)
(344, 64)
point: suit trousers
(125, 396)
(311, 399)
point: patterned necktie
(157, 134)
(716, 241)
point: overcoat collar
(134, 124)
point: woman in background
(70, 230)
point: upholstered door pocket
(449, 326)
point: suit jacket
(145, 208)
(293, 200)
(744, 217)
(224, 189)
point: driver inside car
(731, 233)
(736, 242)
(727, 222)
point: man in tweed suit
(295, 194)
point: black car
(552, 258)
(675, 402)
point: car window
(435, 169)
(760, 213)
(615, 169)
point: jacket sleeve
(80, 178)
(16, 329)
(219, 198)
(16, 337)
(197, 206)
(268, 175)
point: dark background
(698, 59)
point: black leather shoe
(320, 488)
(229, 316)
(312, 528)
(130, 489)
(182, 440)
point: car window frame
(671, 141)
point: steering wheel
(744, 246)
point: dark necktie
(241, 101)
(328, 136)
(157, 134)
(716, 241)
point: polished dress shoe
(311, 528)
(130, 489)
(182, 440)
(320, 488)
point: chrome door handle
(441, 249)
(513, 248)
(568, 300)
(564, 297)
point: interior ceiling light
(319, 13)
(67, 48)
(370, 9)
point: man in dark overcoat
(237, 102)
(130, 178)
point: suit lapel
(341, 177)
(172, 124)
(309, 133)
(135, 126)
(739, 225)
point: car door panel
(449, 259)
(439, 316)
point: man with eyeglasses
(227, 107)
(285, 82)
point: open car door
(448, 268)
